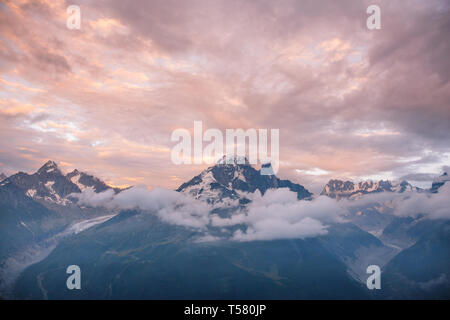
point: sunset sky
(349, 102)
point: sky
(349, 102)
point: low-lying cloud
(277, 214)
(170, 206)
(432, 206)
(409, 204)
(280, 215)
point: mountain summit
(227, 181)
(49, 166)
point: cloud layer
(409, 204)
(277, 214)
(170, 206)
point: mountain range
(50, 184)
(347, 189)
(133, 253)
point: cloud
(279, 215)
(408, 204)
(271, 229)
(432, 206)
(91, 198)
(170, 206)
(276, 215)
(419, 177)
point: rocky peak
(49, 167)
(230, 181)
(84, 181)
(334, 187)
(49, 185)
(346, 189)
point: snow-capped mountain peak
(48, 167)
(229, 181)
(50, 185)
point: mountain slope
(34, 208)
(21, 220)
(356, 248)
(137, 256)
(423, 270)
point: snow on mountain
(2, 177)
(75, 178)
(49, 167)
(338, 189)
(83, 181)
(230, 180)
(48, 184)
(51, 185)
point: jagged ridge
(50, 184)
(338, 189)
(230, 181)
